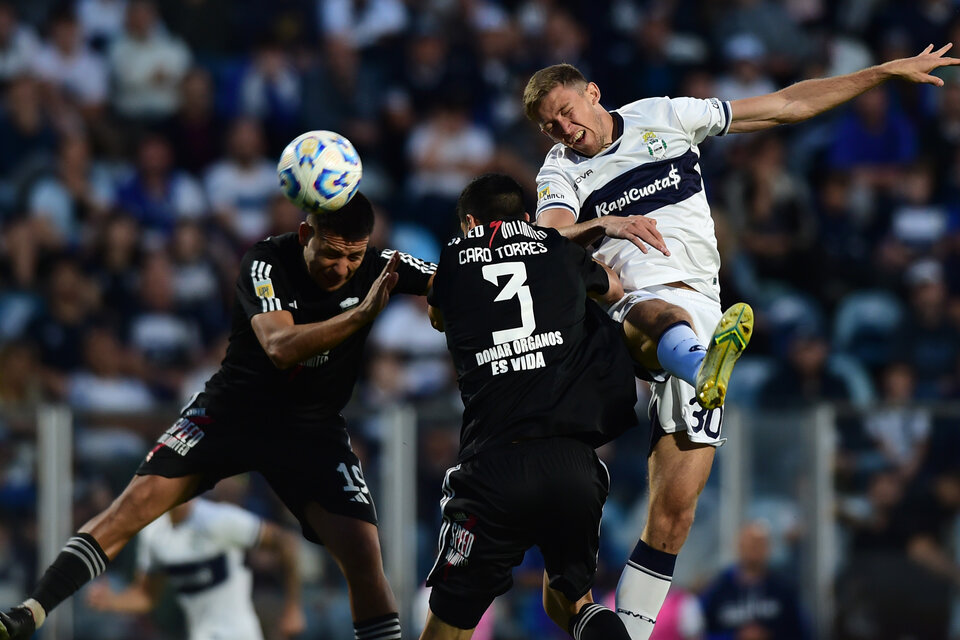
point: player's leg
(355, 545)
(663, 335)
(87, 553)
(437, 629)
(321, 482)
(678, 472)
(583, 619)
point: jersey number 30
(515, 287)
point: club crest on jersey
(655, 146)
(264, 288)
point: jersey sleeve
(593, 275)
(414, 273)
(702, 118)
(262, 284)
(231, 525)
(554, 190)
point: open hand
(379, 293)
(918, 68)
(640, 230)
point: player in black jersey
(304, 304)
(545, 377)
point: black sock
(80, 561)
(596, 622)
(386, 627)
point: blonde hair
(543, 82)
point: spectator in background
(804, 377)
(101, 21)
(27, 135)
(76, 196)
(873, 140)
(240, 185)
(72, 300)
(745, 76)
(103, 383)
(195, 130)
(748, 601)
(114, 260)
(341, 94)
(159, 194)
(928, 341)
(362, 24)
(770, 210)
(206, 26)
(768, 21)
(74, 73)
(18, 44)
(446, 151)
(899, 428)
(198, 287)
(167, 341)
(270, 91)
(147, 65)
(680, 617)
(917, 223)
(20, 390)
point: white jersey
(202, 558)
(651, 169)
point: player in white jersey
(198, 549)
(629, 180)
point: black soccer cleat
(16, 624)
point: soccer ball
(319, 171)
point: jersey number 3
(515, 287)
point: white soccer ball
(319, 171)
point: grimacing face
(331, 260)
(575, 119)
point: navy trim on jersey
(194, 577)
(617, 125)
(728, 113)
(645, 188)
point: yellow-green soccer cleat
(729, 340)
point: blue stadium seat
(864, 325)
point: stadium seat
(864, 324)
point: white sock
(39, 615)
(680, 352)
(642, 589)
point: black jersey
(274, 277)
(534, 357)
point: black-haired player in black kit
(545, 377)
(304, 305)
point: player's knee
(671, 519)
(136, 507)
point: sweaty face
(576, 119)
(330, 259)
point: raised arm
(286, 343)
(809, 98)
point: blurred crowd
(138, 142)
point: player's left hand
(292, 621)
(379, 293)
(918, 68)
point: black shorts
(304, 463)
(498, 504)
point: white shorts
(673, 403)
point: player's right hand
(99, 595)
(379, 293)
(640, 230)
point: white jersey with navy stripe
(202, 559)
(651, 169)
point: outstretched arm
(140, 597)
(809, 98)
(286, 343)
(286, 546)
